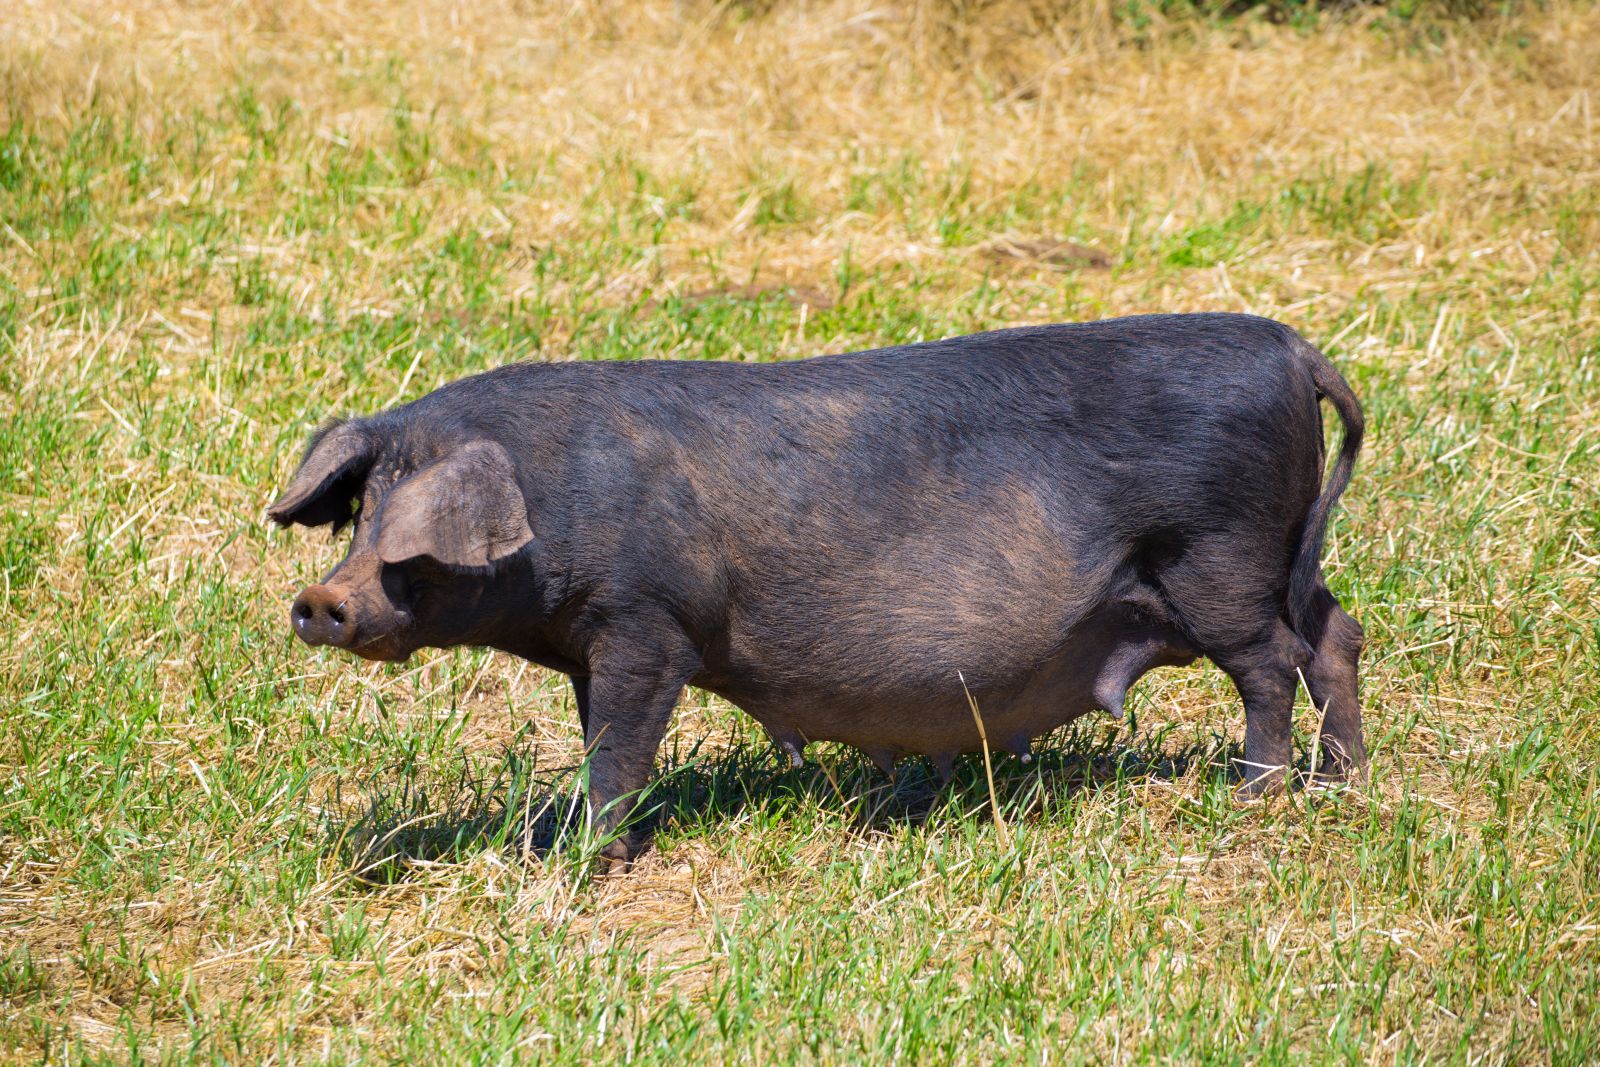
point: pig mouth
(386, 649)
(390, 646)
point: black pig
(846, 546)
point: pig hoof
(1336, 764)
(1259, 783)
(1332, 775)
(617, 858)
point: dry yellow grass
(229, 221)
(816, 94)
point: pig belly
(1094, 668)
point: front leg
(626, 704)
(580, 696)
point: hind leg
(1265, 670)
(1227, 597)
(1331, 677)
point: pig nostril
(336, 615)
(301, 612)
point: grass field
(221, 224)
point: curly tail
(1305, 575)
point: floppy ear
(466, 510)
(325, 486)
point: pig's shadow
(540, 812)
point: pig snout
(320, 617)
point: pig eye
(350, 517)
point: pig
(861, 547)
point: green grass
(218, 845)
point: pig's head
(434, 525)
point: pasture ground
(222, 223)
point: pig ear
(465, 510)
(325, 486)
